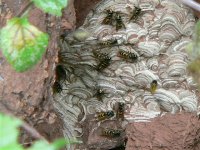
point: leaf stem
(25, 9)
(31, 130)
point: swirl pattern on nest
(157, 38)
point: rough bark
(28, 95)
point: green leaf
(9, 133)
(53, 7)
(59, 143)
(193, 48)
(62, 142)
(43, 145)
(22, 44)
(197, 32)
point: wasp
(64, 35)
(104, 63)
(99, 94)
(122, 146)
(60, 73)
(100, 56)
(108, 20)
(128, 56)
(112, 133)
(105, 115)
(108, 42)
(136, 12)
(57, 87)
(119, 22)
(153, 86)
(120, 110)
(60, 76)
(198, 115)
(104, 60)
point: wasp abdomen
(119, 22)
(105, 115)
(108, 20)
(153, 87)
(120, 110)
(111, 132)
(128, 56)
(136, 13)
(60, 73)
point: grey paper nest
(157, 38)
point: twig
(192, 4)
(24, 9)
(32, 131)
(27, 143)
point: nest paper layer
(158, 37)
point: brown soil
(180, 132)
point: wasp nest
(127, 51)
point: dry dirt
(177, 132)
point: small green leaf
(62, 142)
(9, 133)
(193, 48)
(194, 70)
(197, 32)
(22, 44)
(43, 145)
(53, 7)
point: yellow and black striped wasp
(108, 20)
(60, 73)
(60, 78)
(119, 23)
(109, 42)
(57, 88)
(111, 133)
(113, 18)
(100, 56)
(153, 86)
(136, 13)
(102, 116)
(105, 115)
(120, 110)
(122, 146)
(104, 63)
(99, 94)
(128, 56)
(103, 59)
